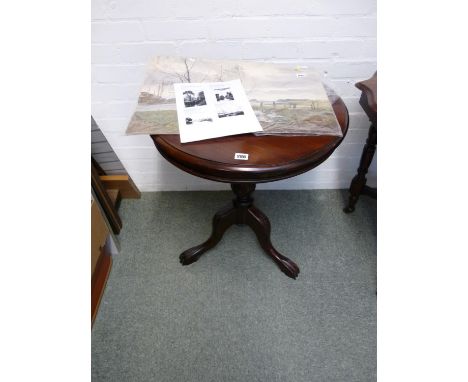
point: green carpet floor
(233, 315)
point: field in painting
(154, 122)
(298, 116)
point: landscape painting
(286, 99)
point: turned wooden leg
(359, 181)
(242, 212)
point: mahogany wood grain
(271, 158)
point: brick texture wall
(338, 37)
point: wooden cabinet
(101, 259)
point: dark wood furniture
(368, 101)
(99, 278)
(101, 259)
(105, 200)
(271, 158)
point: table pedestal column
(242, 211)
(358, 184)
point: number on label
(241, 156)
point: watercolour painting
(286, 99)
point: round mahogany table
(270, 158)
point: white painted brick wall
(338, 37)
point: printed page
(211, 110)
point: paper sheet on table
(214, 109)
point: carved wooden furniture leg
(358, 184)
(221, 222)
(242, 212)
(260, 224)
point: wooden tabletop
(369, 87)
(271, 157)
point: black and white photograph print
(194, 98)
(223, 94)
(228, 110)
(195, 120)
(230, 114)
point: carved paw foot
(348, 209)
(191, 255)
(288, 267)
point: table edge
(230, 173)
